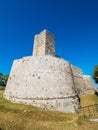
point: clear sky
(74, 24)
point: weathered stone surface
(78, 80)
(44, 44)
(83, 83)
(45, 80)
(89, 88)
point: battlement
(44, 44)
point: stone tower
(45, 80)
(44, 44)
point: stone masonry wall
(78, 80)
(43, 81)
(88, 84)
(44, 44)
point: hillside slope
(24, 117)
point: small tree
(1, 74)
(3, 79)
(95, 74)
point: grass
(85, 123)
(89, 99)
(24, 117)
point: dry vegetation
(24, 117)
(89, 99)
(85, 123)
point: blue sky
(74, 24)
